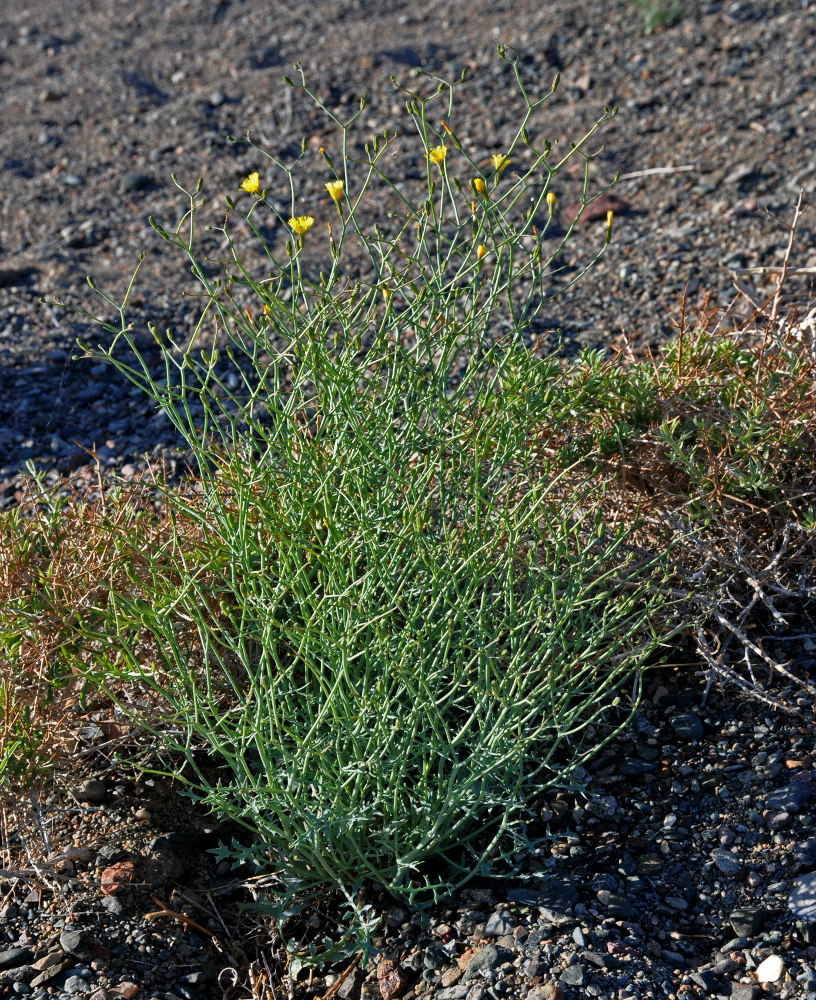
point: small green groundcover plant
(394, 610)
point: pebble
(770, 970)
(556, 902)
(573, 975)
(132, 182)
(725, 861)
(78, 943)
(748, 921)
(391, 979)
(688, 727)
(92, 790)
(790, 799)
(488, 958)
(499, 924)
(802, 899)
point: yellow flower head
(609, 216)
(437, 154)
(481, 251)
(301, 224)
(251, 183)
(335, 189)
(551, 201)
(500, 161)
(479, 186)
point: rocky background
(103, 102)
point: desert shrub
(402, 613)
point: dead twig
(175, 915)
(797, 213)
(657, 170)
(342, 977)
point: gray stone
(112, 905)
(745, 993)
(631, 767)
(556, 902)
(490, 957)
(75, 985)
(604, 807)
(748, 921)
(573, 975)
(687, 726)
(452, 992)
(705, 980)
(802, 899)
(136, 182)
(92, 790)
(499, 924)
(13, 958)
(725, 861)
(804, 852)
(777, 819)
(616, 905)
(436, 955)
(649, 864)
(606, 880)
(789, 799)
(78, 943)
(23, 974)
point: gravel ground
(675, 878)
(100, 109)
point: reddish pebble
(392, 980)
(116, 877)
(126, 990)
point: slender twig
(342, 977)
(175, 915)
(786, 258)
(773, 269)
(657, 170)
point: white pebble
(770, 970)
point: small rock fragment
(115, 878)
(770, 970)
(78, 943)
(13, 958)
(802, 900)
(391, 979)
(499, 924)
(92, 790)
(687, 726)
(748, 921)
(725, 861)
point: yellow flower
(479, 186)
(251, 183)
(437, 155)
(609, 216)
(551, 201)
(481, 251)
(335, 189)
(301, 224)
(500, 161)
